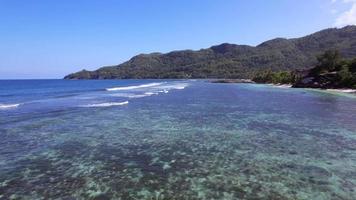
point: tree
(281, 77)
(352, 66)
(328, 61)
(345, 77)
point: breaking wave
(134, 87)
(108, 104)
(8, 106)
(129, 95)
(174, 86)
(146, 90)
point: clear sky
(49, 39)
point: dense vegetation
(280, 77)
(330, 72)
(230, 60)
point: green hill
(230, 60)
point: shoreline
(249, 81)
(231, 81)
(343, 90)
(337, 90)
(280, 85)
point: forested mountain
(230, 60)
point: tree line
(330, 64)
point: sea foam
(174, 86)
(9, 106)
(130, 96)
(107, 104)
(134, 87)
(342, 90)
(150, 93)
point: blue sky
(49, 39)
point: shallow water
(174, 140)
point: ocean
(174, 139)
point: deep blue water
(174, 139)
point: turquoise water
(159, 139)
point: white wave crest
(134, 87)
(108, 104)
(180, 87)
(342, 90)
(129, 95)
(8, 106)
(175, 86)
(150, 93)
(163, 91)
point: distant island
(230, 61)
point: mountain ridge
(231, 60)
